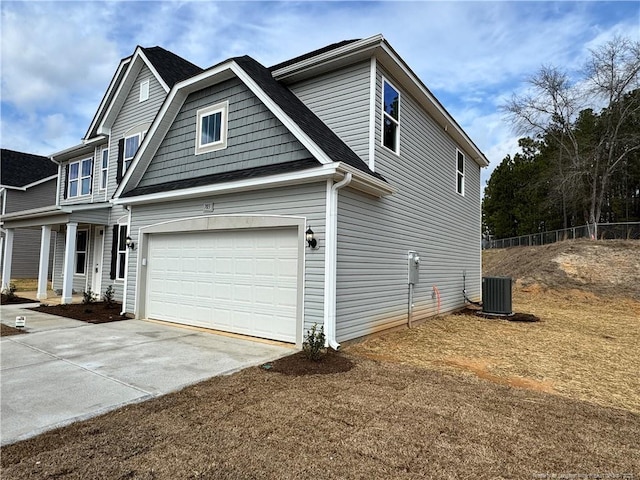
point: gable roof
(314, 134)
(314, 53)
(170, 66)
(167, 67)
(310, 123)
(22, 170)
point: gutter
(331, 258)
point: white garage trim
(222, 223)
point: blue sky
(58, 57)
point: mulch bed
(516, 317)
(298, 364)
(15, 300)
(6, 330)
(97, 312)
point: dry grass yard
(456, 397)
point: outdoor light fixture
(130, 243)
(311, 241)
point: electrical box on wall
(414, 268)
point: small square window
(211, 128)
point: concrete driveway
(65, 370)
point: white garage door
(242, 281)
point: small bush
(108, 296)
(10, 291)
(88, 297)
(313, 345)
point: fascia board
(164, 119)
(76, 150)
(41, 181)
(365, 182)
(138, 58)
(292, 178)
(107, 95)
(328, 57)
(293, 127)
(431, 103)
(176, 98)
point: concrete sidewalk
(65, 370)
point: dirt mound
(602, 267)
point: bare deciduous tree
(591, 146)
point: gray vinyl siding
(300, 201)
(341, 100)
(42, 195)
(255, 138)
(25, 260)
(26, 242)
(426, 215)
(132, 114)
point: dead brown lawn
(585, 346)
(379, 420)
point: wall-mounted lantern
(130, 243)
(311, 241)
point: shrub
(10, 291)
(313, 345)
(88, 297)
(108, 296)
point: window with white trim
(460, 172)
(104, 168)
(82, 240)
(211, 128)
(80, 178)
(390, 117)
(121, 262)
(144, 90)
(131, 145)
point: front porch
(79, 247)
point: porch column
(8, 254)
(43, 271)
(69, 260)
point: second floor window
(80, 178)
(460, 172)
(104, 169)
(211, 128)
(131, 145)
(390, 117)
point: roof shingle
(171, 67)
(20, 169)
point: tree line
(579, 158)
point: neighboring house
(264, 200)
(26, 181)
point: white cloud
(58, 58)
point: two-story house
(332, 188)
(90, 229)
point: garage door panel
(243, 281)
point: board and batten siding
(300, 201)
(341, 100)
(426, 215)
(255, 138)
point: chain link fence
(605, 231)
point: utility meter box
(414, 268)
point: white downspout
(331, 260)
